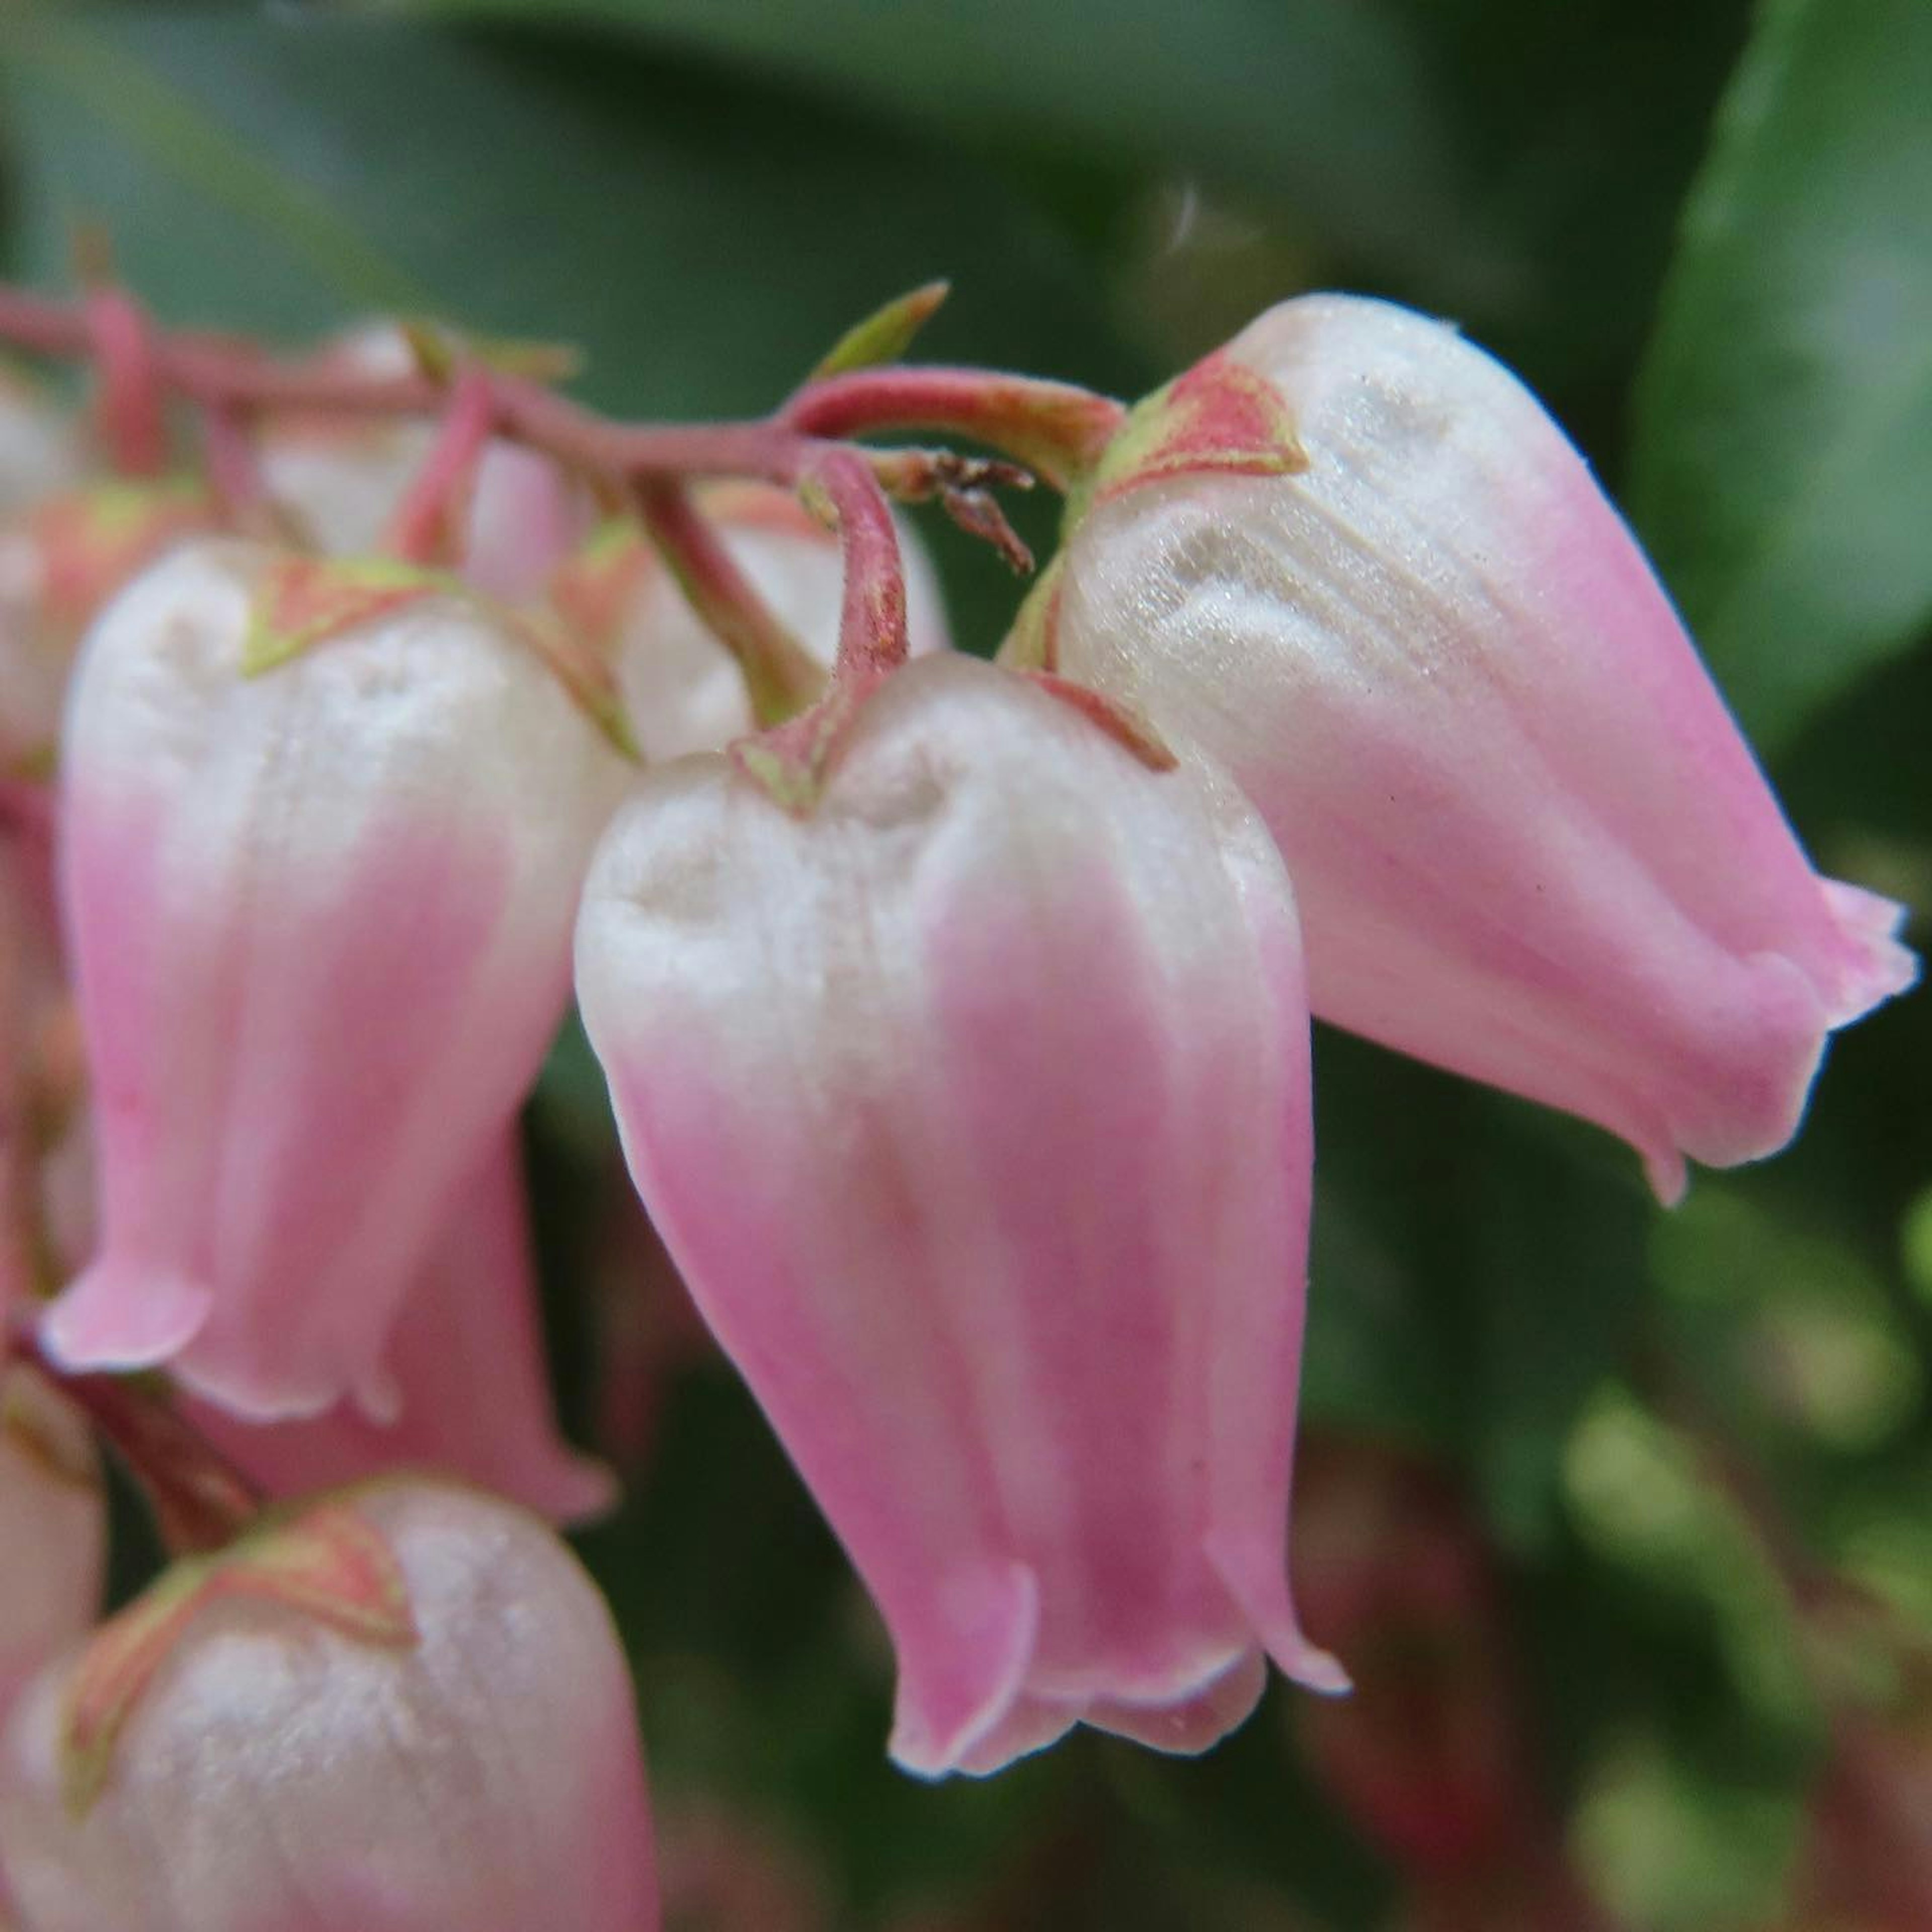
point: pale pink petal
(972, 1105)
(320, 920)
(1528, 841)
(466, 1359)
(276, 1774)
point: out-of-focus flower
(681, 688)
(340, 481)
(1433, 1758)
(39, 454)
(1351, 556)
(61, 558)
(467, 1357)
(405, 1711)
(52, 1529)
(323, 830)
(973, 1107)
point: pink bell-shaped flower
(467, 1357)
(405, 1711)
(323, 828)
(1351, 556)
(683, 690)
(974, 1106)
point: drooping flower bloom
(467, 1358)
(407, 1711)
(1351, 556)
(682, 689)
(323, 830)
(52, 1529)
(340, 481)
(974, 1107)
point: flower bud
(973, 1107)
(467, 1357)
(407, 1711)
(682, 690)
(1527, 839)
(323, 829)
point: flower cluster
(955, 1016)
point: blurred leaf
(1783, 464)
(1327, 106)
(702, 242)
(1478, 1268)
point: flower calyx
(329, 1563)
(1218, 418)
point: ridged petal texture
(321, 924)
(973, 1107)
(1528, 840)
(466, 1354)
(277, 1775)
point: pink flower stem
(1057, 430)
(129, 406)
(229, 456)
(200, 1500)
(779, 673)
(841, 487)
(428, 527)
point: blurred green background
(1690, 1451)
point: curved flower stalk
(973, 1105)
(467, 1357)
(323, 830)
(683, 691)
(340, 481)
(1351, 556)
(405, 1711)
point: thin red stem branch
(428, 523)
(1056, 429)
(780, 675)
(133, 422)
(872, 637)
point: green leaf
(1782, 460)
(1327, 107)
(702, 242)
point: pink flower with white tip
(972, 1104)
(1351, 556)
(404, 1711)
(323, 830)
